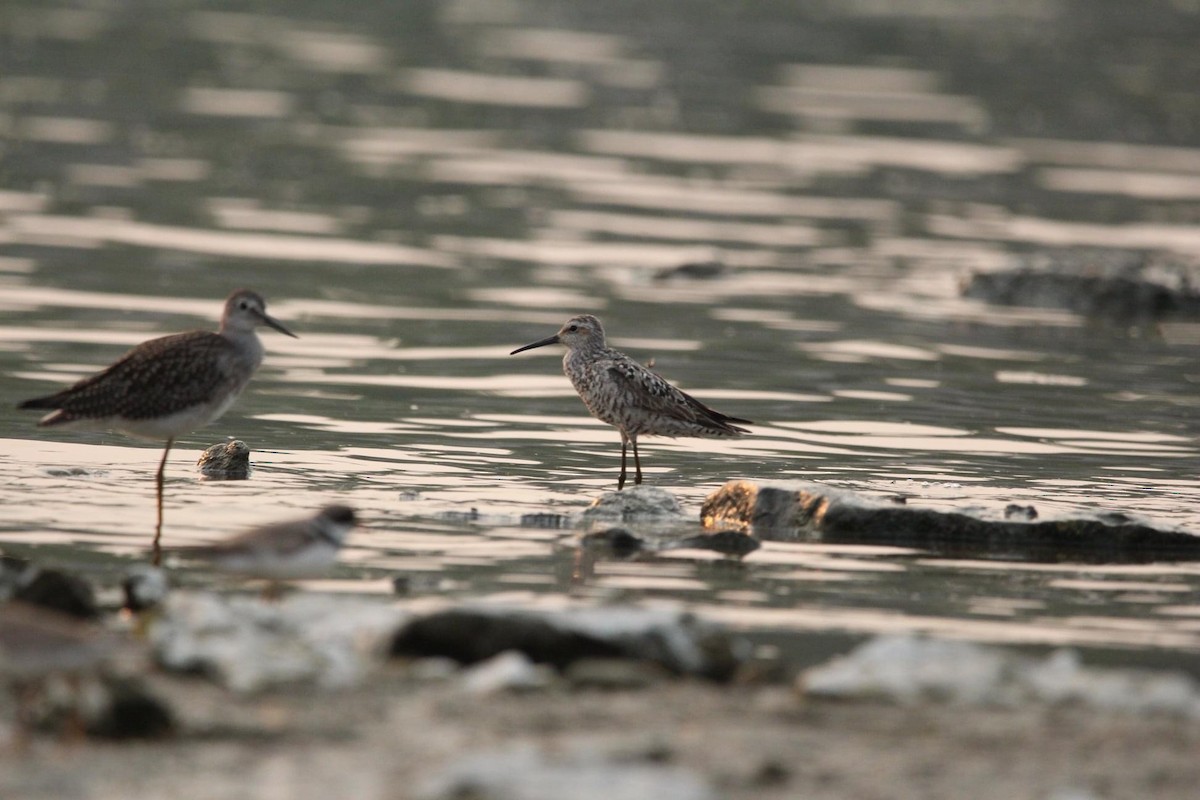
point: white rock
(509, 671)
(248, 644)
(908, 669)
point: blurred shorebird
(169, 386)
(282, 551)
(628, 396)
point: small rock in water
(1016, 511)
(637, 504)
(617, 542)
(226, 461)
(67, 472)
(528, 774)
(692, 270)
(544, 520)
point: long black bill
(271, 322)
(539, 343)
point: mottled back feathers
(157, 378)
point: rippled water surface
(418, 189)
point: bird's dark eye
(573, 328)
(243, 305)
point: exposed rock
(910, 669)
(528, 774)
(678, 642)
(1097, 283)
(248, 644)
(802, 511)
(229, 461)
(638, 504)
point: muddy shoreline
(395, 736)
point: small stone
(226, 461)
(544, 520)
(1016, 511)
(638, 504)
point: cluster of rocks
(244, 643)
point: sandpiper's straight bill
(169, 386)
(281, 551)
(626, 395)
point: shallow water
(417, 191)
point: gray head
(245, 310)
(583, 332)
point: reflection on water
(414, 212)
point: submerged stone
(1113, 284)
(803, 511)
(646, 504)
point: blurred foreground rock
(910, 669)
(678, 642)
(803, 511)
(527, 773)
(248, 644)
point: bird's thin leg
(621, 480)
(637, 463)
(162, 466)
